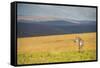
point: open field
(55, 48)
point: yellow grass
(55, 46)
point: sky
(49, 11)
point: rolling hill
(39, 28)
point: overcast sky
(71, 12)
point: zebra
(80, 43)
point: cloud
(71, 12)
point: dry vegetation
(55, 48)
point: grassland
(55, 48)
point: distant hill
(40, 28)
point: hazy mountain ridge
(33, 28)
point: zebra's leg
(79, 50)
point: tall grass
(56, 48)
(49, 57)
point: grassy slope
(55, 48)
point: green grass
(49, 57)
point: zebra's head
(77, 39)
